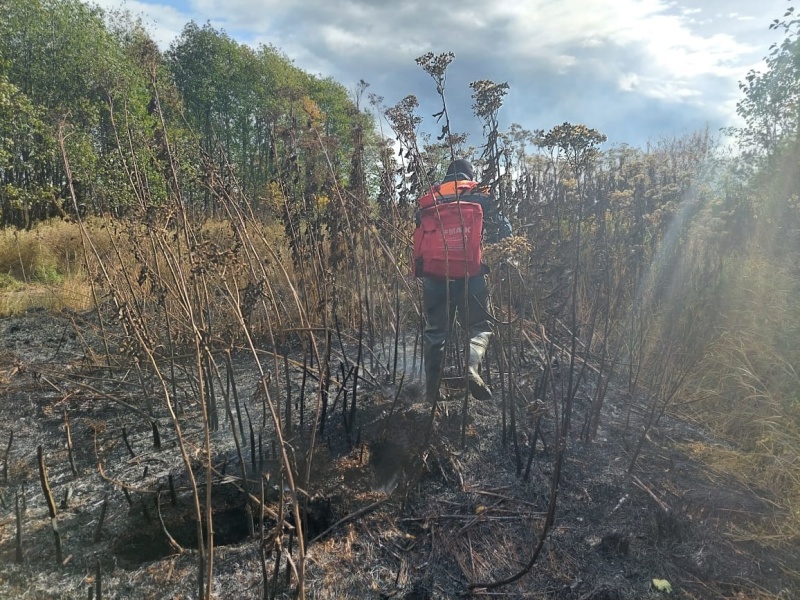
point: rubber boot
(433, 373)
(477, 386)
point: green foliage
(97, 81)
(27, 149)
(771, 103)
(745, 387)
(252, 109)
(56, 52)
(80, 78)
(9, 283)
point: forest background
(221, 190)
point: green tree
(27, 152)
(771, 103)
(81, 77)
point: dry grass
(746, 390)
(46, 267)
(46, 254)
(72, 295)
(43, 268)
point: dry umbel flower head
(514, 249)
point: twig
(642, 486)
(48, 494)
(354, 515)
(69, 446)
(481, 516)
(110, 397)
(174, 544)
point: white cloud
(628, 82)
(663, 56)
(343, 42)
(163, 22)
(650, 50)
(673, 91)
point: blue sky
(636, 70)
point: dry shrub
(147, 262)
(514, 249)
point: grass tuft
(43, 268)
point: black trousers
(443, 299)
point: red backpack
(447, 240)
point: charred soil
(402, 501)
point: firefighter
(456, 284)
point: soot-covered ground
(389, 516)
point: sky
(638, 71)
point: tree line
(101, 81)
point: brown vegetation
(226, 398)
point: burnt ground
(389, 517)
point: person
(445, 296)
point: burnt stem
(18, 541)
(127, 443)
(98, 581)
(173, 497)
(43, 479)
(6, 455)
(98, 531)
(156, 435)
(252, 438)
(67, 497)
(69, 446)
(287, 425)
(57, 541)
(396, 330)
(234, 391)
